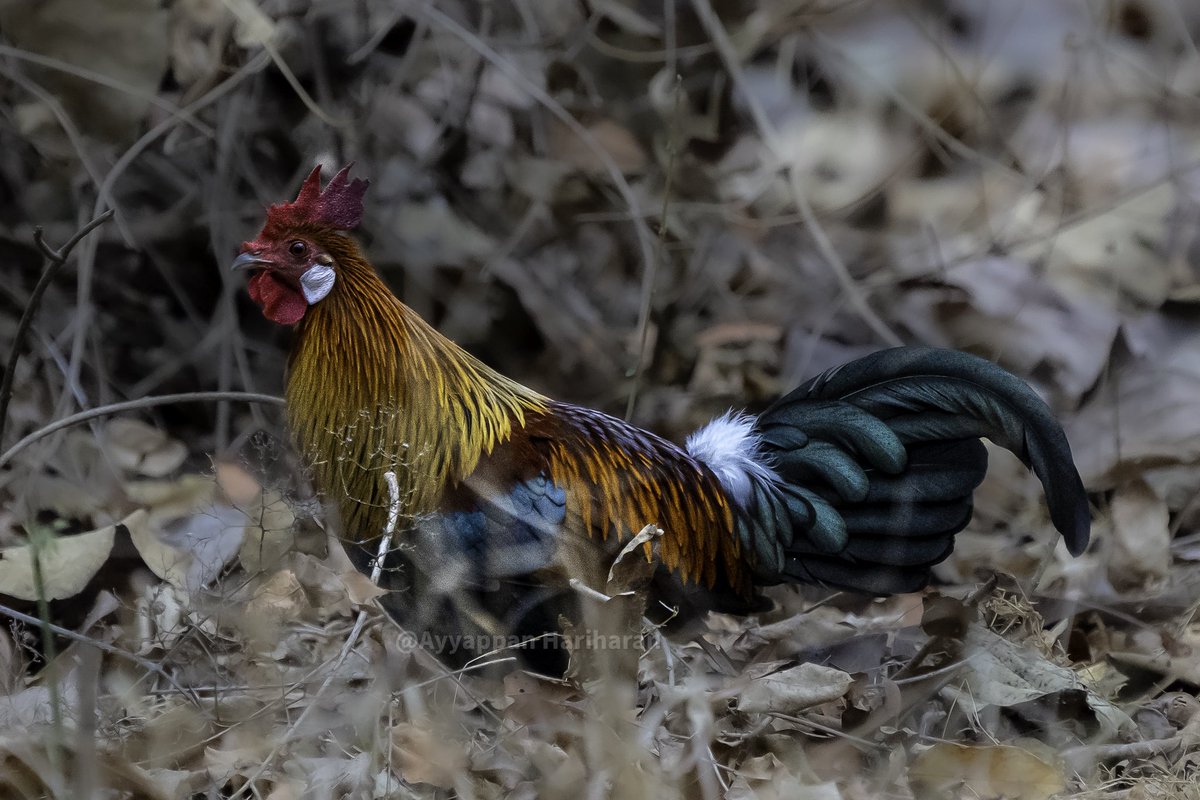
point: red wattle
(280, 303)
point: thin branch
(720, 39)
(102, 646)
(246, 14)
(58, 65)
(644, 238)
(132, 405)
(55, 260)
(651, 274)
(52, 103)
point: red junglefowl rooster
(858, 479)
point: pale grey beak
(249, 261)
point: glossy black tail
(884, 455)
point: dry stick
(648, 279)
(37, 542)
(132, 405)
(245, 16)
(99, 78)
(104, 194)
(102, 646)
(55, 259)
(644, 237)
(720, 39)
(385, 545)
(651, 273)
(52, 104)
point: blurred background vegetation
(695, 204)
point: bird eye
(298, 248)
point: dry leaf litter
(783, 186)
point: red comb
(339, 206)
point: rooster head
(292, 269)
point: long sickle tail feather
(891, 443)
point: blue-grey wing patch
(506, 534)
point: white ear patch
(317, 282)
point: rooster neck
(373, 388)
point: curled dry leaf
(269, 537)
(1141, 536)
(629, 572)
(1144, 414)
(361, 589)
(1004, 674)
(794, 689)
(987, 771)
(190, 538)
(625, 152)
(426, 758)
(68, 562)
(137, 447)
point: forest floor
(672, 208)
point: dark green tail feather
(910, 420)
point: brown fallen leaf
(135, 446)
(424, 757)
(1144, 415)
(361, 589)
(1001, 673)
(67, 562)
(616, 141)
(794, 689)
(1141, 551)
(987, 771)
(189, 539)
(270, 536)
(237, 484)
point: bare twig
(648, 278)
(245, 13)
(100, 79)
(39, 538)
(720, 39)
(641, 229)
(133, 405)
(55, 260)
(1184, 740)
(102, 646)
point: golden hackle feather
(372, 387)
